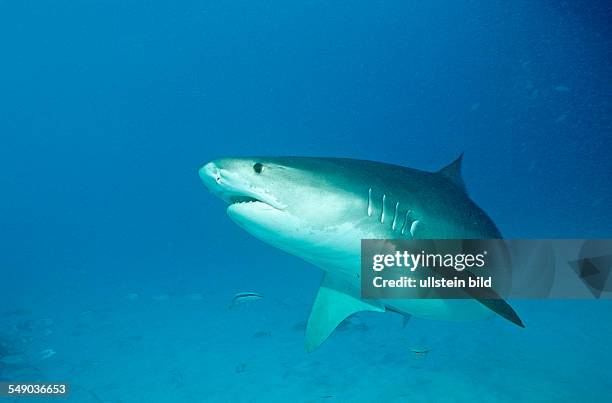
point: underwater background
(117, 266)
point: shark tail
(503, 309)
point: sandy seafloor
(181, 342)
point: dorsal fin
(452, 172)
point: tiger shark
(319, 209)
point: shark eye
(258, 167)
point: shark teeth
(243, 199)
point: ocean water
(118, 266)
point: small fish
(419, 351)
(12, 359)
(47, 353)
(562, 88)
(261, 334)
(350, 324)
(243, 297)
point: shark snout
(210, 175)
(224, 180)
(221, 181)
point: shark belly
(337, 252)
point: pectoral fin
(331, 307)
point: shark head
(292, 203)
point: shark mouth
(235, 196)
(246, 201)
(243, 199)
(229, 187)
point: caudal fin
(503, 309)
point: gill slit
(382, 212)
(370, 202)
(395, 216)
(413, 227)
(406, 219)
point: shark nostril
(210, 171)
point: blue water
(114, 256)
